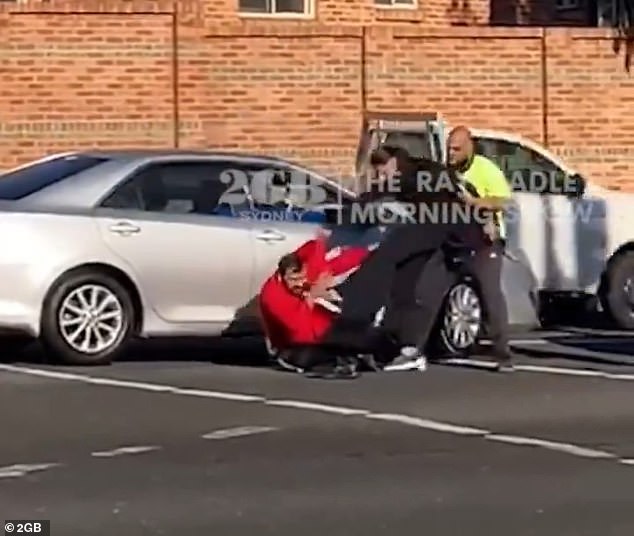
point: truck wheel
(618, 298)
(87, 319)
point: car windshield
(27, 180)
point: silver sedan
(102, 247)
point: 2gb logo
(270, 187)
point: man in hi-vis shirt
(492, 193)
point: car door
(284, 221)
(549, 225)
(193, 265)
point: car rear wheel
(460, 322)
(87, 319)
(618, 298)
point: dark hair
(381, 156)
(289, 263)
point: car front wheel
(460, 322)
(87, 319)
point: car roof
(81, 190)
(132, 154)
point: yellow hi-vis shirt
(489, 181)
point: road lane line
(428, 424)
(22, 469)
(568, 448)
(541, 369)
(315, 406)
(239, 431)
(576, 372)
(130, 385)
(235, 397)
(407, 420)
(124, 450)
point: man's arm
(497, 192)
(349, 258)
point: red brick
(102, 73)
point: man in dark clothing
(394, 268)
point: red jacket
(289, 319)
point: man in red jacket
(296, 303)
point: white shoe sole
(285, 365)
(419, 364)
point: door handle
(271, 235)
(124, 228)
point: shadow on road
(584, 346)
(247, 351)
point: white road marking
(130, 385)
(568, 448)
(465, 361)
(536, 340)
(314, 406)
(407, 420)
(427, 424)
(236, 397)
(123, 450)
(239, 432)
(23, 469)
(562, 371)
(576, 372)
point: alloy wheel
(463, 317)
(91, 319)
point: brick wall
(127, 73)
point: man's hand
(491, 230)
(321, 287)
(467, 198)
(323, 234)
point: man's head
(460, 147)
(293, 273)
(388, 161)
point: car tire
(618, 297)
(63, 316)
(461, 312)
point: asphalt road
(244, 450)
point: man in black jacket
(408, 270)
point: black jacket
(426, 185)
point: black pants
(419, 289)
(309, 357)
(371, 287)
(486, 267)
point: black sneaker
(344, 369)
(369, 362)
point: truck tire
(618, 296)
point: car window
(225, 188)
(174, 187)
(417, 144)
(526, 169)
(280, 186)
(28, 180)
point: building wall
(122, 73)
